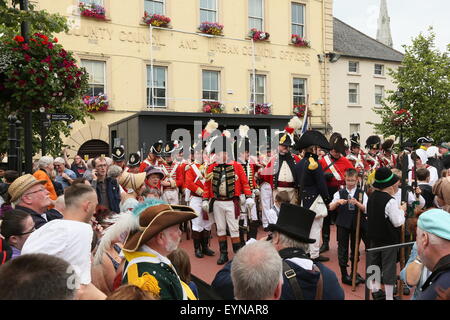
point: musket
(357, 241)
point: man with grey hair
(107, 188)
(63, 176)
(433, 248)
(256, 272)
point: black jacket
(113, 191)
(38, 219)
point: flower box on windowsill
(261, 108)
(156, 20)
(257, 35)
(92, 11)
(213, 107)
(299, 110)
(298, 41)
(96, 103)
(211, 28)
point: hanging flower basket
(298, 41)
(299, 110)
(92, 11)
(213, 107)
(402, 117)
(261, 108)
(38, 74)
(258, 35)
(213, 28)
(156, 20)
(96, 103)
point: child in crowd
(281, 197)
(182, 263)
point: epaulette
(313, 165)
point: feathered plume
(226, 133)
(243, 131)
(210, 127)
(295, 123)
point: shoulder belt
(297, 290)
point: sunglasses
(28, 232)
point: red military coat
(195, 179)
(173, 171)
(147, 162)
(337, 169)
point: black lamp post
(399, 94)
(12, 139)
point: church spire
(384, 27)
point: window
(353, 93)
(96, 71)
(354, 127)
(154, 6)
(97, 2)
(299, 91)
(211, 85)
(379, 69)
(298, 19)
(256, 14)
(258, 91)
(208, 10)
(159, 86)
(379, 94)
(353, 66)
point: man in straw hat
(313, 192)
(385, 218)
(30, 195)
(153, 234)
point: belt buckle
(290, 274)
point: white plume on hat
(226, 133)
(243, 131)
(295, 123)
(211, 126)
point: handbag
(319, 207)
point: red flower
(19, 39)
(25, 46)
(63, 53)
(55, 40)
(27, 58)
(22, 83)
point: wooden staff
(357, 241)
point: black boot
(359, 279)
(205, 241)
(346, 279)
(253, 232)
(236, 247)
(196, 236)
(223, 252)
(242, 231)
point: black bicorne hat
(118, 154)
(313, 138)
(295, 222)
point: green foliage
(40, 72)
(423, 77)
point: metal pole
(19, 151)
(152, 88)
(25, 30)
(254, 75)
(12, 138)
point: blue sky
(408, 18)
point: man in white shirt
(70, 238)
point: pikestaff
(357, 236)
(404, 199)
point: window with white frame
(96, 72)
(258, 89)
(298, 19)
(256, 14)
(353, 66)
(354, 127)
(210, 85)
(208, 10)
(299, 91)
(379, 94)
(379, 69)
(353, 93)
(154, 6)
(97, 2)
(157, 95)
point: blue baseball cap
(435, 221)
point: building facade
(359, 80)
(173, 69)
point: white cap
(422, 154)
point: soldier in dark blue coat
(313, 191)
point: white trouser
(316, 233)
(199, 224)
(224, 215)
(171, 196)
(253, 213)
(266, 202)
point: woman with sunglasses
(16, 227)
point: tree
(421, 106)
(40, 74)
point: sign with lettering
(61, 117)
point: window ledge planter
(298, 41)
(213, 107)
(211, 28)
(299, 110)
(257, 35)
(96, 103)
(92, 11)
(156, 20)
(264, 108)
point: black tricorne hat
(295, 222)
(425, 140)
(384, 178)
(134, 160)
(313, 138)
(118, 154)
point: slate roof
(352, 43)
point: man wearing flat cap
(153, 234)
(433, 247)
